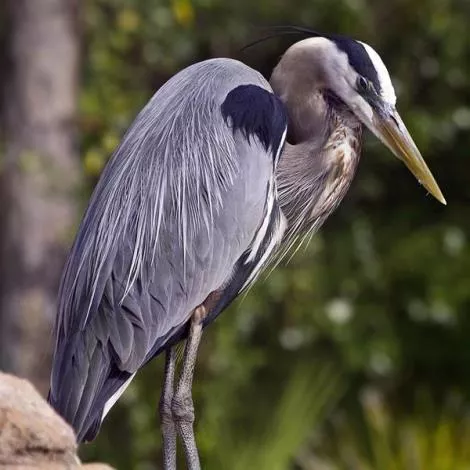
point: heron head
(353, 72)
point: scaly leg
(166, 415)
(182, 404)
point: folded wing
(185, 207)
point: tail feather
(113, 387)
(84, 380)
(97, 365)
(89, 433)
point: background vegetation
(356, 354)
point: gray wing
(185, 207)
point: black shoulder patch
(255, 111)
(358, 58)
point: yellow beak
(393, 133)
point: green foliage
(381, 296)
(426, 439)
(310, 392)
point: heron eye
(363, 83)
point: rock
(30, 431)
(32, 434)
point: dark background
(356, 354)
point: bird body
(220, 172)
(153, 246)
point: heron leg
(166, 415)
(182, 404)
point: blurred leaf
(183, 11)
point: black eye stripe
(359, 59)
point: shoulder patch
(254, 111)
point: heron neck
(318, 162)
(309, 118)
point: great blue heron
(204, 189)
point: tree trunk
(40, 175)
